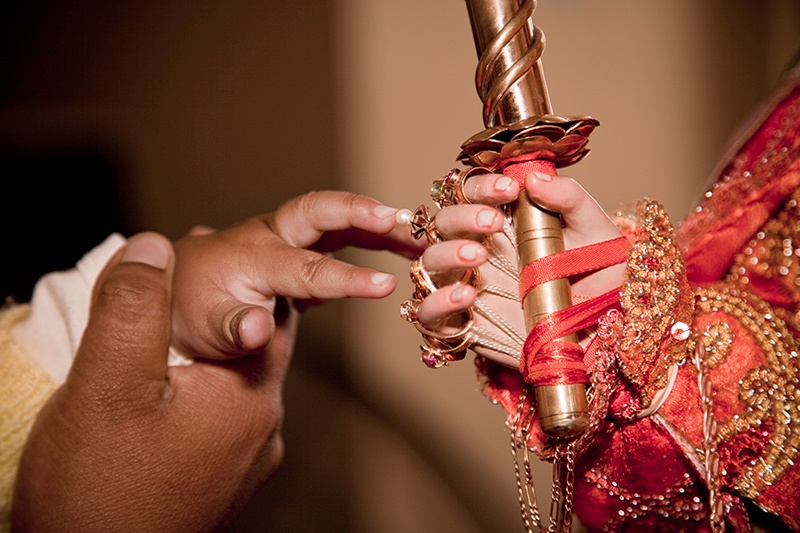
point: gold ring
(440, 348)
(449, 190)
(444, 340)
(471, 276)
(422, 280)
(408, 309)
(433, 358)
(422, 223)
(447, 348)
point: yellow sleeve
(24, 388)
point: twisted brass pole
(511, 84)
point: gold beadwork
(717, 342)
(770, 393)
(675, 503)
(773, 255)
(654, 296)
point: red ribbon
(545, 359)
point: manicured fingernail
(148, 250)
(468, 252)
(502, 184)
(542, 176)
(381, 279)
(458, 294)
(485, 218)
(384, 211)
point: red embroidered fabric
(734, 287)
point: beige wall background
(210, 112)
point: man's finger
(127, 335)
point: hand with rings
(467, 280)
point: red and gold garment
(727, 278)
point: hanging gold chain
(710, 437)
(526, 491)
(567, 459)
(563, 480)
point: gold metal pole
(511, 83)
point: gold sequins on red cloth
(656, 299)
(770, 263)
(755, 357)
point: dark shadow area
(61, 197)
(57, 205)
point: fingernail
(468, 252)
(542, 176)
(485, 218)
(381, 279)
(384, 211)
(458, 294)
(148, 250)
(502, 184)
(235, 326)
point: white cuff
(60, 311)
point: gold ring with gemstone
(449, 190)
